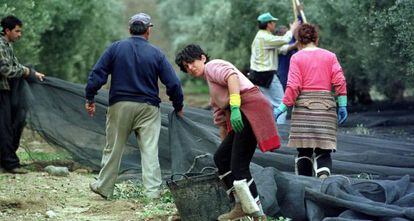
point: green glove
(236, 119)
(342, 101)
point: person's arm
(97, 78)
(339, 83)
(294, 84)
(293, 87)
(34, 75)
(284, 49)
(233, 85)
(174, 90)
(338, 78)
(287, 47)
(293, 46)
(10, 68)
(276, 41)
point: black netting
(57, 113)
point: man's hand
(293, 26)
(180, 113)
(26, 72)
(90, 108)
(39, 76)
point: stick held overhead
(298, 8)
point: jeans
(275, 95)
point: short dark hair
(262, 25)
(138, 28)
(307, 33)
(10, 22)
(189, 54)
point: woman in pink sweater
(313, 72)
(243, 126)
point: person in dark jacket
(11, 71)
(135, 66)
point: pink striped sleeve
(294, 83)
(338, 78)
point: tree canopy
(64, 38)
(373, 38)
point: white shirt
(265, 50)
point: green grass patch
(26, 157)
(152, 208)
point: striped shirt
(265, 50)
(9, 65)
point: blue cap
(266, 17)
(141, 17)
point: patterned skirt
(314, 121)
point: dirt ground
(40, 196)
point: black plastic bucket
(199, 196)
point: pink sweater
(216, 73)
(313, 70)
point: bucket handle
(208, 168)
(178, 174)
(186, 177)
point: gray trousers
(123, 118)
(275, 95)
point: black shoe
(18, 170)
(303, 166)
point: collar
(265, 30)
(3, 38)
(310, 49)
(138, 37)
(4, 41)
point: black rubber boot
(322, 164)
(303, 166)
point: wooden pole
(301, 12)
(295, 10)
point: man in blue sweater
(135, 66)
